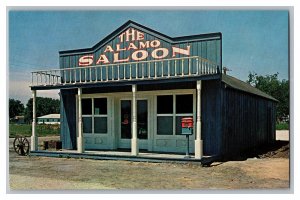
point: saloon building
(131, 90)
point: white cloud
(19, 89)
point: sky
(253, 40)
(35, 39)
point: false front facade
(132, 89)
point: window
(87, 124)
(125, 119)
(164, 125)
(184, 104)
(86, 106)
(100, 124)
(184, 108)
(94, 115)
(165, 104)
(165, 115)
(100, 106)
(170, 110)
(100, 115)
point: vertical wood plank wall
(211, 117)
(208, 49)
(232, 120)
(248, 121)
(68, 118)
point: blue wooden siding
(247, 121)
(232, 120)
(206, 49)
(211, 117)
(68, 118)
(209, 49)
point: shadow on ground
(279, 149)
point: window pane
(184, 103)
(142, 119)
(165, 104)
(87, 124)
(165, 125)
(178, 124)
(100, 124)
(86, 106)
(100, 106)
(125, 119)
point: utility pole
(226, 69)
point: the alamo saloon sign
(132, 45)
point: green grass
(282, 126)
(25, 130)
(51, 129)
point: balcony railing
(142, 70)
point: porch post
(198, 141)
(34, 138)
(80, 141)
(134, 139)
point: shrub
(282, 126)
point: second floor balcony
(133, 71)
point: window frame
(174, 114)
(164, 115)
(181, 114)
(93, 115)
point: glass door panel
(142, 119)
(125, 119)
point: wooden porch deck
(124, 155)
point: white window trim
(174, 114)
(93, 115)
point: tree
(44, 106)
(15, 108)
(271, 85)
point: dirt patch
(267, 168)
(44, 173)
(280, 149)
(56, 173)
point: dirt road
(41, 173)
(54, 173)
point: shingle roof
(240, 85)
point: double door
(126, 123)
